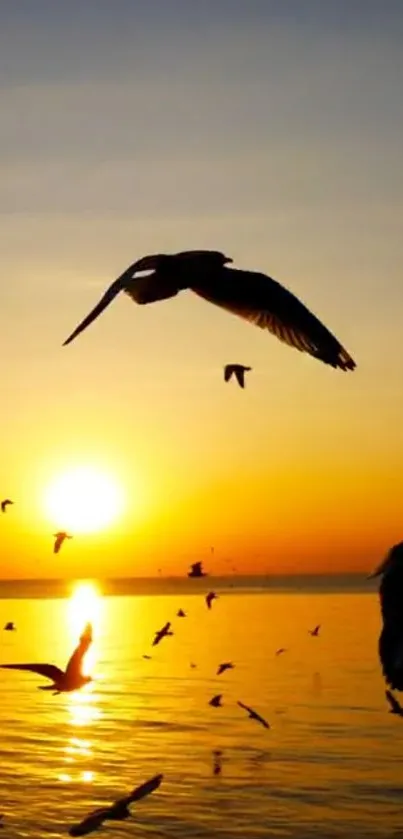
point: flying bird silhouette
(180, 613)
(196, 570)
(226, 665)
(254, 715)
(10, 627)
(5, 504)
(117, 811)
(251, 295)
(281, 650)
(390, 643)
(216, 701)
(63, 681)
(59, 539)
(314, 632)
(162, 633)
(210, 597)
(237, 370)
(395, 706)
(148, 657)
(193, 665)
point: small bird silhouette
(314, 632)
(281, 650)
(63, 682)
(253, 296)
(390, 644)
(59, 539)
(148, 657)
(196, 570)
(216, 701)
(10, 627)
(395, 706)
(237, 370)
(210, 597)
(5, 504)
(254, 715)
(117, 811)
(226, 665)
(162, 633)
(193, 665)
(180, 613)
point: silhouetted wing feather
(117, 286)
(394, 704)
(90, 823)
(50, 671)
(227, 373)
(264, 302)
(142, 790)
(74, 665)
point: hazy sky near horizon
(271, 131)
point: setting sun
(83, 500)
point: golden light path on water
(84, 606)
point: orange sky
(275, 140)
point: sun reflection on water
(84, 606)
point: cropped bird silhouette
(254, 715)
(59, 539)
(314, 632)
(226, 665)
(117, 811)
(281, 650)
(210, 597)
(237, 370)
(196, 570)
(251, 295)
(162, 633)
(395, 706)
(216, 701)
(5, 504)
(390, 643)
(180, 613)
(10, 627)
(63, 681)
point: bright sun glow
(83, 500)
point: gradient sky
(271, 131)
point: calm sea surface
(331, 765)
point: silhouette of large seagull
(63, 682)
(391, 597)
(251, 295)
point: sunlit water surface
(331, 765)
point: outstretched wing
(142, 790)
(74, 665)
(90, 823)
(50, 671)
(110, 294)
(228, 369)
(264, 302)
(240, 376)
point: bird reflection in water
(85, 604)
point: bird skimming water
(254, 715)
(162, 633)
(63, 682)
(251, 295)
(117, 811)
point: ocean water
(331, 764)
